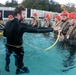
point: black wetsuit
(13, 32)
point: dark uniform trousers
(18, 54)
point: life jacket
(38, 24)
(47, 23)
(72, 37)
(63, 24)
(69, 32)
(56, 24)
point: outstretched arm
(28, 28)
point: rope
(48, 48)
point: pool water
(39, 61)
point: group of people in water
(16, 25)
(67, 23)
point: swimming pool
(39, 62)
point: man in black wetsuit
(13, 32)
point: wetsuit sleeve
(28, 28)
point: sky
(59, 1)
(3, 1)
(65, 1)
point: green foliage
(42, 5)
(55, 7)
(13, 3)
(49, 5)
(36, 4)
(70, 7)
(1, 5)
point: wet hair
(18, 9)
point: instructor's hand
(56, 28)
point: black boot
(7, 68)
(22, 70)
(25, 69)
(18, 71)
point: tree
(54, 6)
(49, 5)
(70, 7)
(36, 4)
(1, 5)
(7, 4)
(13, 3)
(42, 5)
